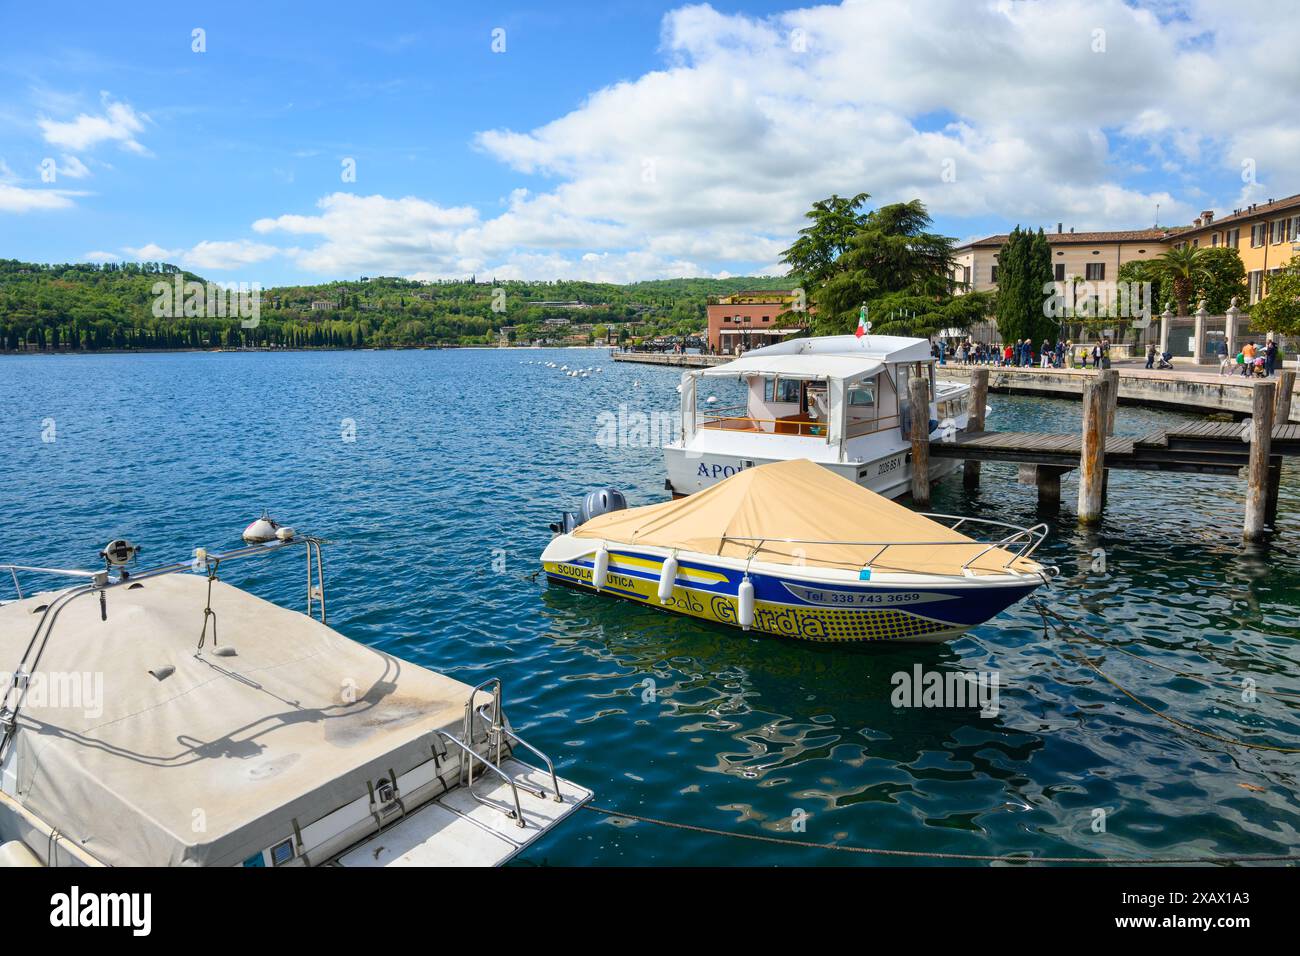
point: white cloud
(208, 254)
(118, 123)
(227, 255)
(18, 199)
(152, 252)
(989, 109)
(72, 168)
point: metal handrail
(851, 432)
(555, 780)
(802, 424)
(1032, 538)
(100, 583)
(465, 749)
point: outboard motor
(598, 502)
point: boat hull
(925, 609)
(890, 474)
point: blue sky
(616, 140)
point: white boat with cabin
(161, 717)
(840, 401)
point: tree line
(90, 307)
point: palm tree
(1184, 266)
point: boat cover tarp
(215, 761)
(805, 501)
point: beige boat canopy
(795, 511)
(166, 756)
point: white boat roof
(288, 728)
(838, 366)
(885, 348)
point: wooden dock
(1207, 448)
(1257, 446)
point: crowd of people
(1251, 359)
(1023, 353)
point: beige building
(1093, 256)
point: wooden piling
(979, 394)
(1274, 480)
(1092, 458)
(1111, 376)
(1049, 487)
(1257, 471)
(1282, 404)
(918, 393)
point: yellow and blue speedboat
(793, 549)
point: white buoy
(745, 603)
(600, 569)
(711, 400)
(667, 578)
(261, 530)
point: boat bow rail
(1020, 543)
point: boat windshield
(776, 404)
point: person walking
(1151, 355)
(1270, 357)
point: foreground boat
(839, 400)
(795, 550)
(163, 718)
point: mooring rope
(1182, 725)
(1060, 629)
(932, 854)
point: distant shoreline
(368, 348)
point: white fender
(667, 577)
(745, 603)
(600, 569)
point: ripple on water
(439, 509)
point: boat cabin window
(783, 391)
(815, 402)
(862, 396)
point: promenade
(1186, 387)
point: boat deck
(459, 830)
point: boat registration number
(889, 464)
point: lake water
(435, 474)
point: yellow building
(1264, 235)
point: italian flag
(861, 330)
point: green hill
(86, 306)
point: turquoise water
(439, 508)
